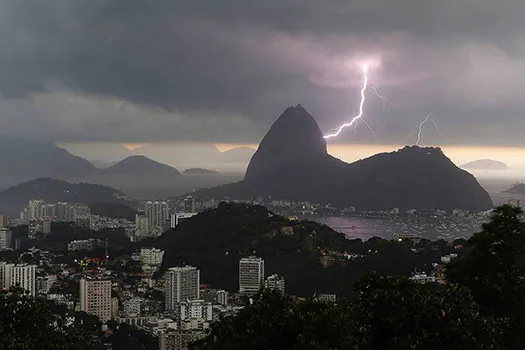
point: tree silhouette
(30, 323)
(494, 270)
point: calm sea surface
(386, 227)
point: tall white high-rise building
(22, 276)
(95, 298)
(251, 275)
(158, 215)
(182, 284)
(6, 238)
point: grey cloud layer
(223, 70)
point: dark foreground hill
(298, 168)
(309, 255)
(14, 199)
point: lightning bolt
(420, 129)
(361, 105)
(385, 101)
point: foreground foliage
(29, 323)
(494, 271)
(388, 313)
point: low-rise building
(195, 309)
(180, 338)
(275, 282)
(44, 283)
(85, 244)
(151, 256)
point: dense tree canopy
(388, 313)
(494, 270)
(29, 323)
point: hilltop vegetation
(216, 239)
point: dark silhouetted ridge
(298, 168)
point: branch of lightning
(429, 118)
(359, 117)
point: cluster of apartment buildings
(194, 309)
(186, 314)
(158, 218)
(39, 215)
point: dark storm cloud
(223, 70)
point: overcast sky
(222, 71)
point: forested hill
(300, 251)
(14, 199)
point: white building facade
(251, 275)
(182, 284)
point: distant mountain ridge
(29, 160)
(518, 188)
(139, 165)
(25, 160)
(199, 171)
(485, 164)
(14, 199)
(413, 177)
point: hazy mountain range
(180, 156)
(137, 175)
